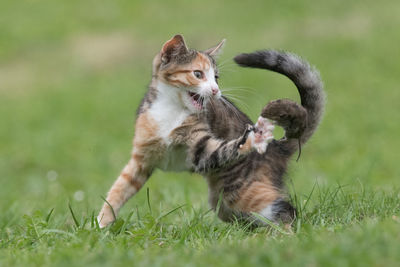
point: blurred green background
(72, 74)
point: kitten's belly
(174, 159)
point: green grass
(72, 74)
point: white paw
(100, 222)
(263, 134)
(103, 220)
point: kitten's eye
(216, 78)
(198, 74)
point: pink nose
(214, 90)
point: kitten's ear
(216, 50)
(175, 46)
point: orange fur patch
(147, 146)
(182, 75)
(133, 182)
(146, 133)
(201, 62)
(126, 176)
(136, 184)
(256, 197)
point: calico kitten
(184, 123)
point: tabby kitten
(184, 123)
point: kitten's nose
(214, 90)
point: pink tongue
(196, 104)
(195, 97)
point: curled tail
(305, 77)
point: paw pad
(263, 134)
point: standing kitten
(185, 124)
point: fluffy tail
(305, 77)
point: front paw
(263, 134)
(105, 217)
(246, 143)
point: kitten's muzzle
(215, 90)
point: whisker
(225, 62)
(240, 90)
(212, 106)
(241, 87)
(225, 66)
(235, 112)
(239, 101)
(224, 70)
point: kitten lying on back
(184, 123)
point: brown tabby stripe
(200, 130)
(136, 184)
(199, 148)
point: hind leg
(128, 183)
(265, 200)
(279, 211)
(146, 149)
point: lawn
(72, 74)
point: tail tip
(241, 59)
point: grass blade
(49, 215)
(269, 223)
(148, 199)
(112, 210)
(73, 215)
(171, 211)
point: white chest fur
(168, 112)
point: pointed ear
(175, 46)
(216, 50)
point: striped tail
(305, 77)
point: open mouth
(197, 100)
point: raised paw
(287, 114)
(263, 134)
